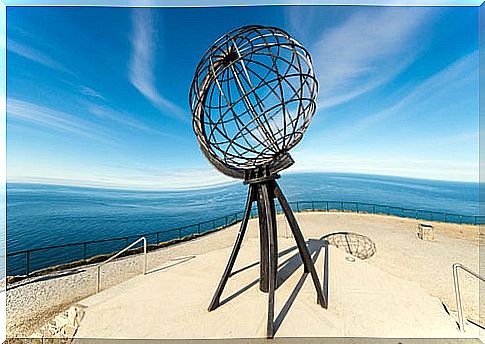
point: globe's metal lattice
(252, 98)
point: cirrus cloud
(141, 72)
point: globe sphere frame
(252, 98)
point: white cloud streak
(53, 119)
(142, 61)
(431, 91)
(35, 55)
(90, 92)
(366, 51)
(125, 178)
(115, 116)
(123, 118)
(454, 76)
(401, 167)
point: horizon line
(94, 185)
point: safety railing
(456, 281)
(98, 267)
(25, 262)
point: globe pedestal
(264, 190)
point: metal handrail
(98, 267)
(457, 266)
(225, 221)
(296, 203)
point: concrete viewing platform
(381, 280)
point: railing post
(326, 205)
(98, 269)
(225, 221)
(85, 249)
(180, 233)
(126, 240)
(373, 209)
(158, 238)
(456, 283)
(341, 206)
(297, 206)
(357, 206)
(145, 265)
(458, 297)
(27, 267)
(198, 228)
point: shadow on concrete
(239, 292)
(45, 278)
(315, 247)
(357, 245)
(175, 261)
(288, 267)
(285, 270)
(248, 286)
(280, 254)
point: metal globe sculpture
(252, 99)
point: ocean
(46, 215)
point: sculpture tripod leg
(267, 198)
(235, 250)
(302, 248)
(264, 194)
(269, 191)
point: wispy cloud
(455, 76)
(367, 50)
(35, 55)
(126, 178)
(448, 140)
(409, 161)
(53, 119)
(116, 116)
(123, 118)
(142, 61)
(413, 167)
(90, 92)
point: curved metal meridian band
(252, 99)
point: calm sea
(45, 215)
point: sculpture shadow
(355, 244)
(315, 247)
(280, 254)
(285, 270)
(248, 286)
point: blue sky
(99, 96)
